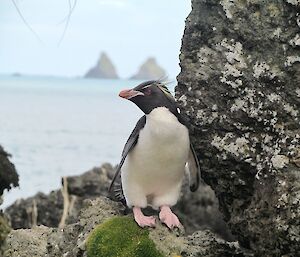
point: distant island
(104, 69)
(16, 74)
(149, 70)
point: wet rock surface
(239, 86)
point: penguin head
(150, 95)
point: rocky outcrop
(200, 211)
(57, 242)
(8, 179)
(239, 86)
(104, 69)
(149, 70)
(195, 210)
(97, 231)
(47, 210)
(8, 175)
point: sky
(129, 31)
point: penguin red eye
(147, 91)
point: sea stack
(104, 69)
(149, 70)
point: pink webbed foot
(141, 219)
(168, 217)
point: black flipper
(131, 142)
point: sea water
(55, 127)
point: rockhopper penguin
(155, 155)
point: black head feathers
(150, 95)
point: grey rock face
(92, 183)
(239, 86)
(41, 209)
(25, 242)
(206, 244)
(104, 69)
(200, 211)
(149, 70)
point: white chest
(163, 144)
(163, 130)
(155, 166)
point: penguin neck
(161, 114)
(164, 125)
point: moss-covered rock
(103, 230)
(121, 236)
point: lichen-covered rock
(206, 244)
(239, 86)
(103, 230)
(25, 242)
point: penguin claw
(146, 221)
(169, 218)
(142, 220)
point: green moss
(120, 237)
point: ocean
(55, 127)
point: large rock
(239, 86)
(200, 211)
(8, 174)
(86, 234)
(8, 178)
(56, 242)
(149, 70)
(196, 210)
(104, 69)
(47, 210)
